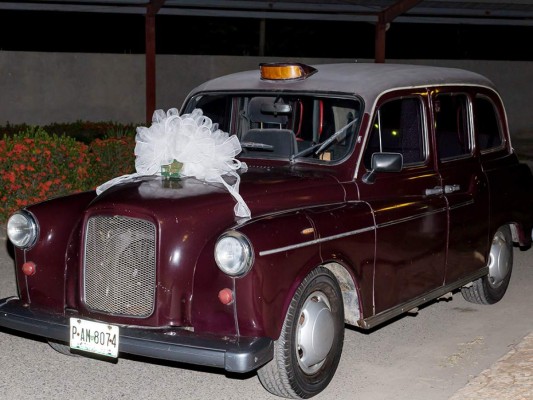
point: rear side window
(486, 124)
(451, 125)
(398, 128)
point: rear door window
(452, 125)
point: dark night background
(124, 33)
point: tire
(62, 348)
(491, 288)
(308, 351)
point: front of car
(162, 266)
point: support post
(381, 29)
(262, 37)
(152, 9)
(385, 17)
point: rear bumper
(235, 354)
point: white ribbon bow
(206, 152)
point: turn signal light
(285, 71)
(29, 268)
(225, 296)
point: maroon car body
(420, 194)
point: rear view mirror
(276, 108)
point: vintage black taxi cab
(277, 206)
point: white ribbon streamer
(207, 153)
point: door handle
(451, 188)
(435, 191)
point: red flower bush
(36, 166)
(110, 158)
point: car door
(464, 183)
(409, 210)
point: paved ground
(510, 378)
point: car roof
(368, 80)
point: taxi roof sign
(285, 71)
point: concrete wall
(39, 88)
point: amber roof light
(285, 71)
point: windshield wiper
(325, 144)
(305, 152)
(333, 137)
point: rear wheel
(308, 351)
(491, 288)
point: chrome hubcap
(499, 264)
(315, 332)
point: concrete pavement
(509, 378)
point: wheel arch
(520, 235)
(350, 292)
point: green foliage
(82, 131)
(9, 130)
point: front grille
(120, 266)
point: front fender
(289, 246)
(57, 244)
(285, 252)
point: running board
(384, 316)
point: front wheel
(491, 288)
(308, 351)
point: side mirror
(383, 162)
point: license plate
(94, 337)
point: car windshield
(285, 126)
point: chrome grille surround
(119, 267)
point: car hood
(265, 190)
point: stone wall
(40, 88)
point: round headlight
(233, 253)
(22, 230)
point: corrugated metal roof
(502, 12)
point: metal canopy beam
(476, 12)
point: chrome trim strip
(315, 241)
(384, 316)
(466, 203)
(411, 218)
(345, 234)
